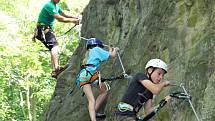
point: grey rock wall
(181, 32)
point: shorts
(84, 78)
(49, 40)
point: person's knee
(103, 90)
(104, 94)
(92, 101)
(90, 97)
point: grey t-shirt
(136, 94)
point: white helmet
(157, 63)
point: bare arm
(154, 88)
(148, 107)
(67, 15)
(66, 20)
(113, 51)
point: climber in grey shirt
(141, 90)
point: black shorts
(46, 35)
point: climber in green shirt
(46, 15)
(45, 33)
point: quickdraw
(180, 95)
(177, 95)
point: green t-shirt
(46, 15)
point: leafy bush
(25, 83)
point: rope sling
(178, 95)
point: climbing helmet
(156, 63)
(94, 42)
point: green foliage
(25, 83)
(22, 70)
(64, 6)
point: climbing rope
(80, 18)
(67, 31)
(123, 69)
(189, 100)
(70, 36)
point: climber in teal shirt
(96, 56)
(89, 75)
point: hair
(92, 46)
(154, 68)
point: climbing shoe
(56, 72)
(100, 115)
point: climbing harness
(178, 95)
(44, 29)
(94, 77)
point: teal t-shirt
(95, 57)
(46, 15)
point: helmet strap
(149, 74)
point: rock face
(181, 32)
